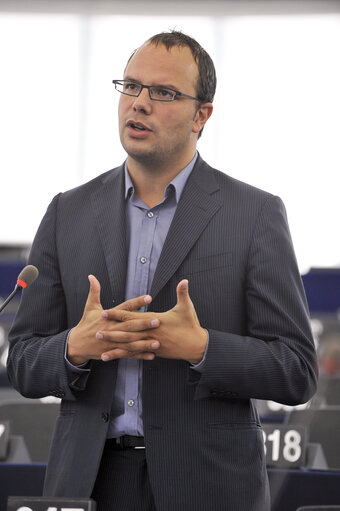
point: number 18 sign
(285, 446)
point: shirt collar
(177, 184)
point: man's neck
(150, 182)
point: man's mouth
(137, 126)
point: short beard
(149, 159)
(152, 160)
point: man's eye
(162, 93)
(130, 86)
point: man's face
(170, 128)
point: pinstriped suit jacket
(203, 438)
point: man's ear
(202, 115)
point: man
(227, 323)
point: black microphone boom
(25, 278)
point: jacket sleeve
(276, 360)
(36, 365)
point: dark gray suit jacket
(203, 437)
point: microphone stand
(9, 298)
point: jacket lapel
(108, 202)
(198, 204)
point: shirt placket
(142, 283)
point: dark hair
(206, 82)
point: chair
(323, 427)
(34, 421)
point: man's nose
(143, 103)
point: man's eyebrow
(165, 85)
(128, 78)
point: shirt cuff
(75, 369)
(200, 366)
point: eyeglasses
(156, 92)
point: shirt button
(150, 214)
(131, 402)
(143, 260)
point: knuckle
(125, 336)
(129, 326)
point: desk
(24, 480)
(289, 488)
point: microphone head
(27, 276)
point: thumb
(184, 302)
(93, 299)
(183, 297)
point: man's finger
(136, 350)
(183, 292)
(125, 354)
(93, 299)
(137, 323)
(120, 314)
(121, 337)
(133, 304)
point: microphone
(25, 278)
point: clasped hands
(122, 333)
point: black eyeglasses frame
(149, 87)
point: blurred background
(276, 123)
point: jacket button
(105, 416)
